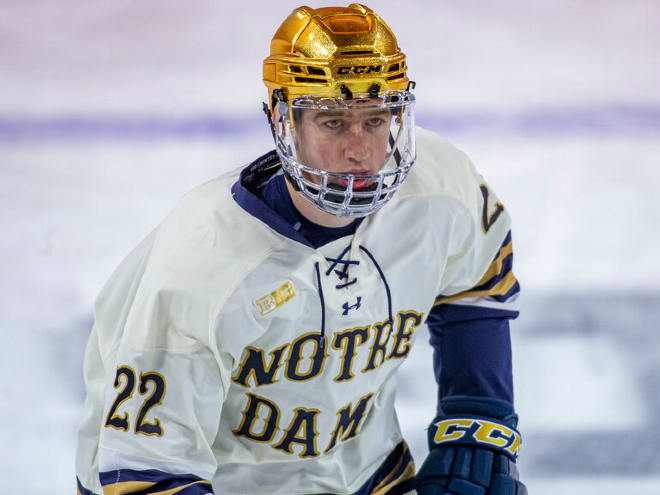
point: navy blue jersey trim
(498, 282)
(507, 266)
(392, 468)
(263, 194)
(148, 475)
(244, 193)
(509, 294)
(275, 194)
(161, 481)
(443, 314)
(81, 489)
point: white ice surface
(596, 485)
(561, 382)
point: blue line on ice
(606, 120)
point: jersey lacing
(343, 275)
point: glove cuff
(474, 431)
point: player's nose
(356, 144)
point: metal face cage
(381, 121)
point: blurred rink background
(110, 111)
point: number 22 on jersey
(120, 421)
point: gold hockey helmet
(321, 51)
(344, 63)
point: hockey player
(249, 345)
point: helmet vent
(393, 68)
(394, 77)
(315, 71)
(350, 53)
(295, 68)
(347, 24)
(310, 80)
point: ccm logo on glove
(478, 432)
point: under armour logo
(347, 308)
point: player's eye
(333, 124)
(375, 122)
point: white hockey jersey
(230, 355)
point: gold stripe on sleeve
(128, 487)
(178, 489)
(499, 289)
(383, 489)
(389, 481)
(388, 478)
(496, 266)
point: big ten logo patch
(275, 299)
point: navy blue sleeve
(471, 352)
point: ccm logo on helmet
(359, 69)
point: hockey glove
(472, 454)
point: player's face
(344, 141)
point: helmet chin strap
(291, 180)
(269, 118)
(396, 153)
